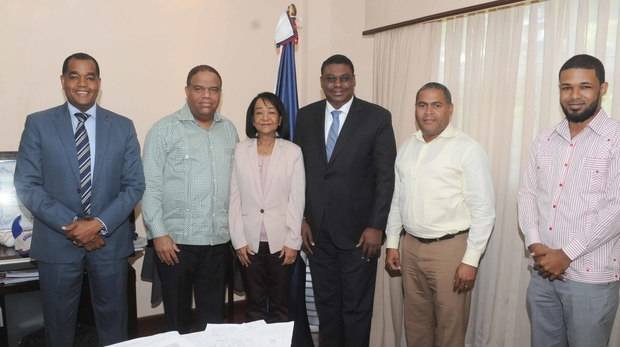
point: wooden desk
(10, 261)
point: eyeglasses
(331, 79)
(200, 89)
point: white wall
(146, 47)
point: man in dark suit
(349, 151)
(79, 172)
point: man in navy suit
(349, 151)
(79, 172)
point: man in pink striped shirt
(569, 213)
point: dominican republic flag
(300, 290)
(286, 88)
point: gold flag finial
(291, 11)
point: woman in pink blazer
(266, 208)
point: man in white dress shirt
(443, 199)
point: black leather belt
(445, 237)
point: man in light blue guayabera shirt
(187, 164)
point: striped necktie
(332, 135)
(83, 155)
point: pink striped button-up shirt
(570, 197)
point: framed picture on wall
(14, 217)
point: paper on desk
(17, 280)
(22, 273)
(280, 334)
(169, 339)
(255, 334)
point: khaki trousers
(435, 315)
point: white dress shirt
(329, 119)
(91, 129)
(442, 187)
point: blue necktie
(332, 135)
(83, 155)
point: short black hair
(337, 59)
(585, 61)
(438, 86)
(79, 56)
(199, 68)
(283, 129)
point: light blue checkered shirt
(187, 170)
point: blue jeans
(569, 313)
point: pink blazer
(280, 204)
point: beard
(580, 117)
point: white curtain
(502, 69)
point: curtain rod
(451, 13)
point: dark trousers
(344, 286)
(297, 306)
(267, 284)
(61, 286)
(202, 271)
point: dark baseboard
(155, 324)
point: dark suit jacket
(47, 182)
(354, 190)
